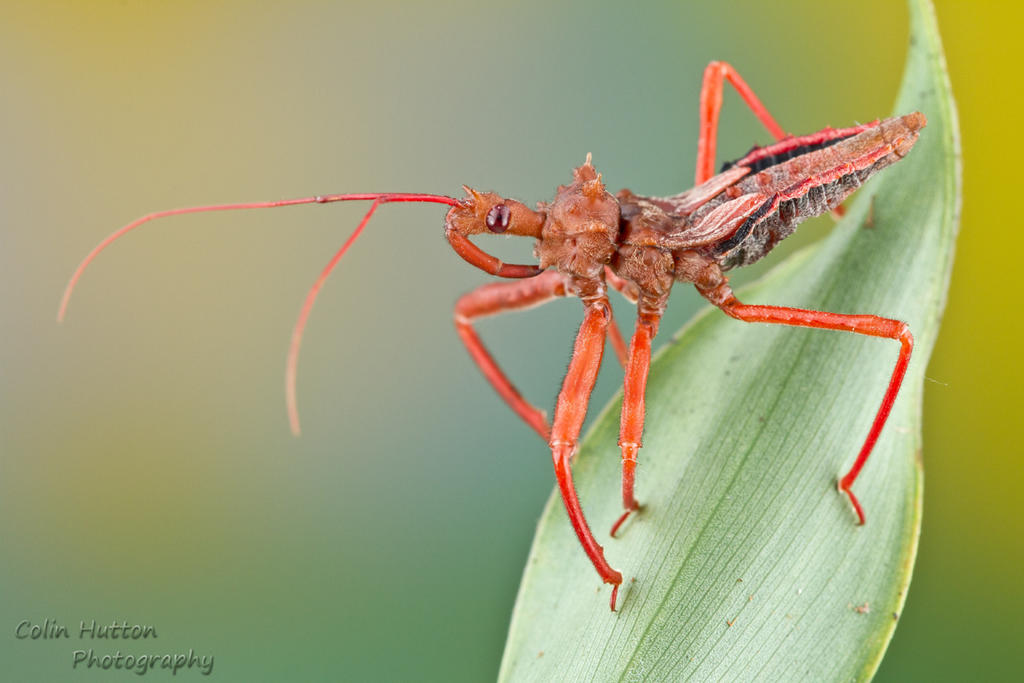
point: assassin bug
(587, 238)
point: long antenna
(291, 365)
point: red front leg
(715, 76)
(570, 410)
(502, 297)
(871, 325)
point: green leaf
(748, 427)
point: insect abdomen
(777, 218)
(816, 182)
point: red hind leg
(715, 76)
(632, 420)
(502, 297)
(870, 325)
(570, 410)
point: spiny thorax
(582, 226)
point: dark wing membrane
(743, 232)
(760, 158)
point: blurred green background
(146, 471)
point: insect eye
(498, 218)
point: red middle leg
(614, 335)
(715, 76)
